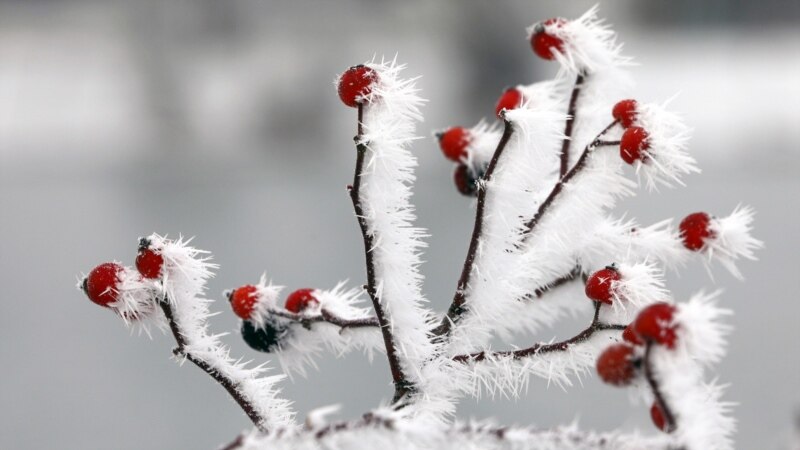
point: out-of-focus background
(220, 120)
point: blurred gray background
(220, 120)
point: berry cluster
(455, 141)
(620, 364)
(103, 283)
(529, 238)
(260, 329)
(455, 144)
(635, 141)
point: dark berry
(466, 182)
(263, 339)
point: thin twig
(539, 348)
(559, 186)
(572, 111)
(236, 443)
(555, 283)
(326, 316)
(669, 417)
(230, 385)
(456, 307)
(401, 384)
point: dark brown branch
(401, 384)
(236, 443)
(669, 417)
(589, 440)
(326, 316)
(539, 348)
(230, 385)
(559, 186)
(457, 306)
(555, 283)
(569, 123)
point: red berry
(510, 99)
(355, 84)
(654, 323)
(466, 183)
(629, 336)
(102, 283)
(657, 415)
(633, 143)
(300, 299)
(544, 43)
(695, 231)
(600, 285)
(149, 263)
(625, 112)
(453, 143)
(615, 365)
(243, 301)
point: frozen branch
(560, 281)
(381, 199)
(390, 433)
(327, 317)
(542, 221)
(542, 348)
(402, 385)
(568, 124)
(669, 417)
(559, 186)
(456, 307)
(233, 387)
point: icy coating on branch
(732, 239)
(704, 420)
(309, 333)
(484, 138)
(387, 432)
(544, 245)
(186, 272)
(499, 276)
(389, 122)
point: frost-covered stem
(555, 283)
(540, 348)
(456, 308)
(571, 112)
(328, 317)
(401, 384)
(669, 417)
(596, 143)
(230, 385)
